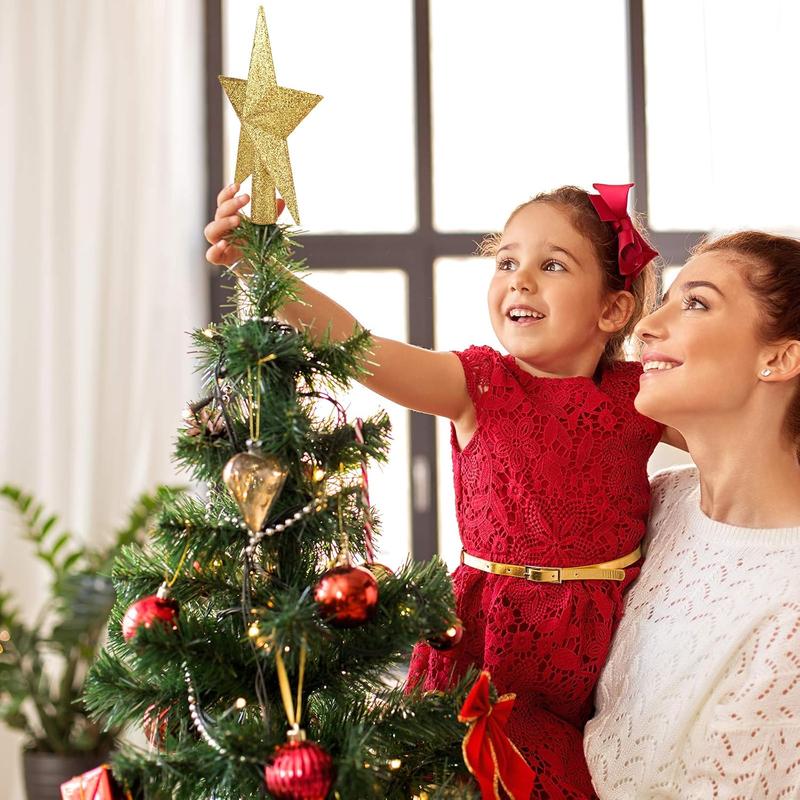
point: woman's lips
(654, 363)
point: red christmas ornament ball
(155, 609)
(154, 725)
(347, 596)
(449, 638)
(299, 771)
(380, 570)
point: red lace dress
(555, 475)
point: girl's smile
(524, 314)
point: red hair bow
(488, 752)
(611, 206)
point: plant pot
(45, 772)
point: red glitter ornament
(299, 770)
(449, 638)
(96, 784)
(347, 596)
(154, 725)
(154, 609)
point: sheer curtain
(102, 188)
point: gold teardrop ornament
(255, 481)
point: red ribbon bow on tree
(612, 206)
(488, 752)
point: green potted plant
(43, 664)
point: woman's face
(702, 351)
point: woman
(700, 697)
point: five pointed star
(268, 114)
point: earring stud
(766, 372)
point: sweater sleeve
(750, 746)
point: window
(462, 319)
(353, 155)
(439, 118)
(389, 484)
(721, 115)
(518, 104)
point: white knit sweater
(700, 697)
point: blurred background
(438, 118)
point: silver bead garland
(308, 509)
(200, 726)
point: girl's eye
(505, 264)
(553, 266)
(693, 303)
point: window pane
(360, 292)
(722, 119)
(461, 320)
(668, 275)
(526, 97)
(353, 155)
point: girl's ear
(616, 312)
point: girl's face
(547, 298)
(702, 351)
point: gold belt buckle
(543, 574)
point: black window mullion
(636, 102)
(673, 246)
(344, 251)
(214, 140)
(424, 495)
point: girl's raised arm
(423, 380)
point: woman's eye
(692, 303)
(553, 266)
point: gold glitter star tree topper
(268, 114)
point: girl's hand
(420, 379)
(225, 220)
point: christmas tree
(245, 640)
(262, 623)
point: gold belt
(607, 571)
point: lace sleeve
(623, 385)
(480, 365)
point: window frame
(416, 251)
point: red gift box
(97, 784)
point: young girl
(549, 457)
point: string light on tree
(451, 637)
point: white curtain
(102, 188)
